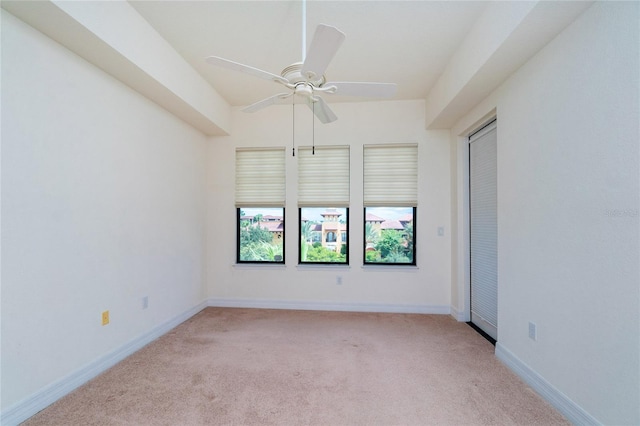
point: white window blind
(391, 175)
(323, 177)
(260, 177)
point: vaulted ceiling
(452, 54)
(407, 43)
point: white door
(484, 229)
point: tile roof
(406, 218)
(374, 218)
(391, 224)
(272, 226)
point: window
(390, 200)
(323, 234)
(261, 234)
(389, 235)
(323, 201)
(260, 197)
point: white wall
(426, 288)
(103, 203)
(568, 212)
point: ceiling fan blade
(322, 110)
(266, 102)
(325, 44)
(374, 90)
(235, 66)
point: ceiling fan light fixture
(304, 89)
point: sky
(389, 213)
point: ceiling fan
(307, 80)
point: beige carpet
(263, 367)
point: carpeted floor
(275, 367)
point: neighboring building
(376, 221)
(273, 224)
(276, 227)
(380, 224)
(392, 224)
(332, 230)
(407, 218)
(331, 233)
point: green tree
(397, 257)
(261, 251)
(372, 256)
(390, 242)
(371, 233)
(322, 254)
(256, 243)
(343, 249)
(254, 234)
(305, 239)
(393, 247)
(408, 237)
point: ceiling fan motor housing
(293, 74)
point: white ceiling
(451, 54)
(404, 42)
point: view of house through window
(389, 235)
(323, 235)
(261, 234)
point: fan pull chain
(313, 130)
(293, 127)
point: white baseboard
(329, 306)
(26, 408)
(572, 411)
(458, 316)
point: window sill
(259, 266)
(394, 268)
(321, 267)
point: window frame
(337, 232)
(239, 261)
(364, 239)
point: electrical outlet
(145, 302)
(339, 279)
(105, 318)
(533, 332)
(440, 231)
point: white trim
(46, 396)
(457, 315)
(572, 411)
(322, 267)
(373, 267)
(256, 266)
(329, 306)
(463, 255)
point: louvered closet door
(484, 229)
